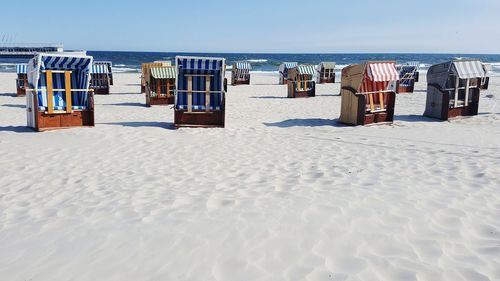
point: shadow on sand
(414, 118)
(17, 129)
(306, 123)
(14, 105)
(164, 125)
(8, 95)
(268, 97)
(127, 104)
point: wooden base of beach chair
(327, 80)
(240, 82)
(302, 94)
(440, 108)
(45, 121)
(101, 91)
(159, 101)
(21, 92)
(406, 89)
(353, 109)
(199, 119)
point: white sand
(282, 193)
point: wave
(125, 70)
(258, 61)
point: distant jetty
(28, 50)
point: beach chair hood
(464, 69)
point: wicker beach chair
(100, 80)
(58, 92)
(326, 72)
(21, 80)
(453, 89)
(301, 82)
(368, 93)
(160, 87)
(200, 92)
(240, 73)
(283, 71)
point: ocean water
(131, 61)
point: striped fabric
(100, 69)
(306, 69)
(469, 69)
(163, 72)
(22, 68)
(413, 63)
(199, 66)
(287, 65)
(242, 65)
(79, 99)
(383, 72)
(79, 65)
(327, 65)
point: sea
(130, 62)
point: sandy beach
(284, 192)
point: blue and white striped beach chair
(407, 74)
(59, 94)
(200, 92)
(100, 78)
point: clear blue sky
(443, 26)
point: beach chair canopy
(464, 69)
(242, 66)
(100, 69)
(413, 63)
(22, 68)
(287, 65)
(107, 64)
(193, 76)
(80, 67)
(382, 72)
(306, 70)
(167, 72)
(326, 65)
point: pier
(27, 50)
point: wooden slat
(372, 105)
(207, 94)
(190, 94)
(57, 71)
(50, 93)
(67, 82)
(381, 97)
(467, 92)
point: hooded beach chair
(283, 70)
(485, 82)
(200, 92)
(22, 78)
(407, 78)
(453, 89)
(58, 93)
(145, 72)
(301, 83)
(160, 87)
(100, 78)
(368, 93)
(240, 73)
(326, 72)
